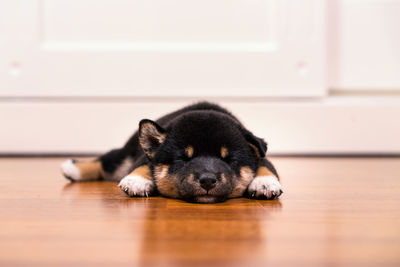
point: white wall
(363, 45)
(309, 76)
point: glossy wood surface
(334, 212)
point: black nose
(208, 181)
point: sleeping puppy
(200, 153)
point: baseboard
(333, 125)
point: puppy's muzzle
(208, 180)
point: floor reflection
(207, 234)
(172, 232)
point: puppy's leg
(139, 182)
(82, 171)
(111, 166)
(266, 183)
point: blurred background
(311, 77)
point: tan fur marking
(142, 171)
(224, 152)
(223, 178)
(246, 176)
(247, 173)
(189, 150)
(89, 170)
(165, 184)
(264, 171)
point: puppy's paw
(267, 187)
(134, 185)
(70, 171)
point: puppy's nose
(208, 181)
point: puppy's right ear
(151, 136)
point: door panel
(162, 48)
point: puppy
(200, 153)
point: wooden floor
(334, 212)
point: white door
(162, 48)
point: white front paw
(265, 187)
(136, 186)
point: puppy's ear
(257, 144)
(151, 136)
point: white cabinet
(162, 48)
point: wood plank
(334, 211)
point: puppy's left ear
(257, 144)
(151, 136)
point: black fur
(206, 127)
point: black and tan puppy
(200, 153)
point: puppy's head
(202, 157)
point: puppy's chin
(207, 199)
